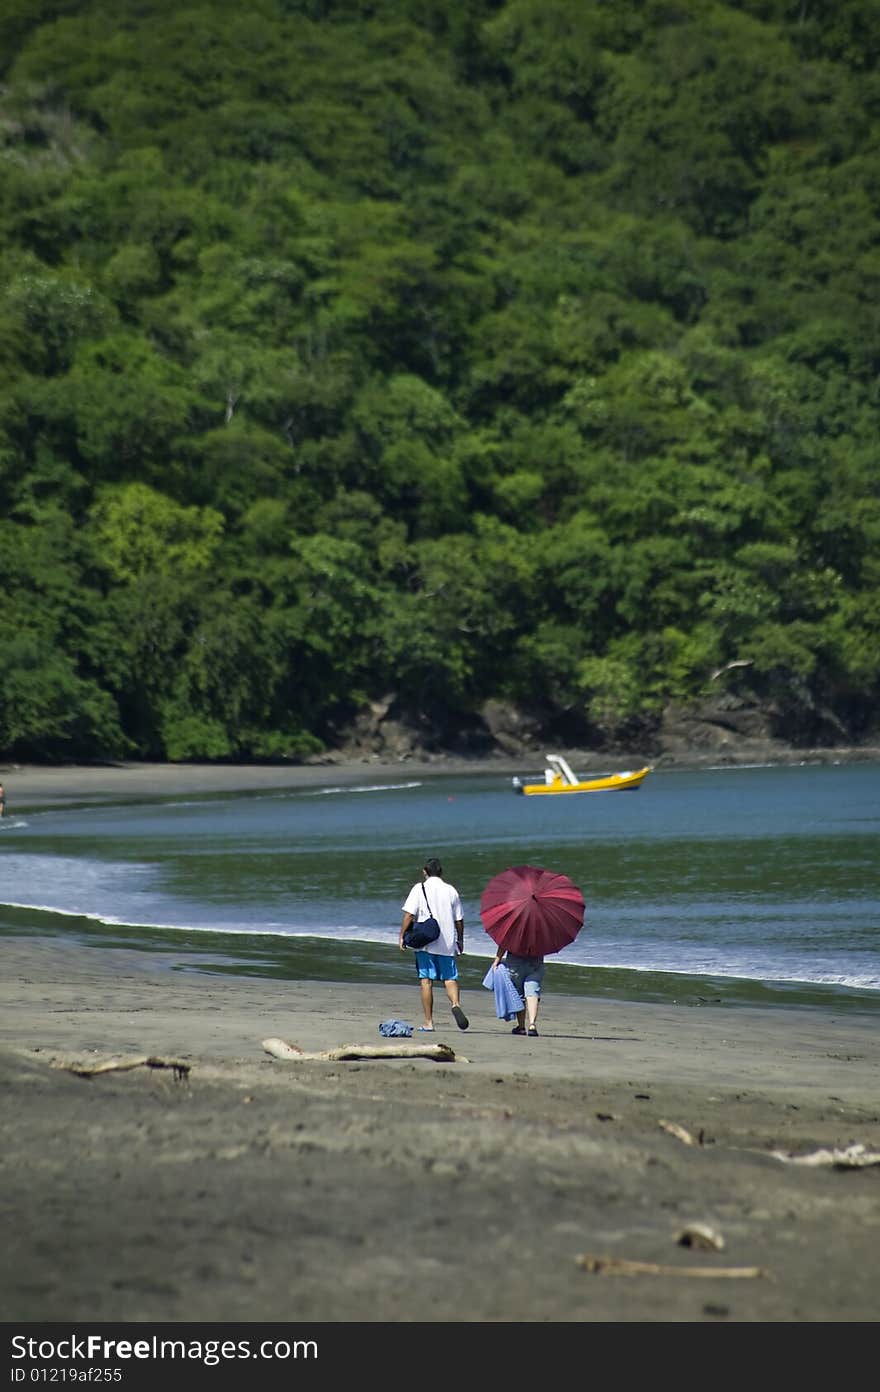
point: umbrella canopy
(532, 912)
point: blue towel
(396, 1029)
(508, 1001)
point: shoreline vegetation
(465, 376)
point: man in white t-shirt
(432, 897)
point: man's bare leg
(458, 1014)
(452, 992)
(426, 987)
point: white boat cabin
(558, 768)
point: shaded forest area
(431, 358)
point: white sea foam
(361, 788)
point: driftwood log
(440, 1053)
(700, 1235)
(619, 1266)
(88, 1069)
(853, 1157)
(678, 1132)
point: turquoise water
(731, 884)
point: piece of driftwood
(678, 1131)
(854, 1157)
(440, 1053)
(121, 1065)
(619, 1266)
(700, 1235)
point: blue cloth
(395, 1029)
(508, 1001)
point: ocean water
(729, 884)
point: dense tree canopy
(437, 351)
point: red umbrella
(531, 911)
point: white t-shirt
(445, 907)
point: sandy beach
(506, 1185)
(31, 786)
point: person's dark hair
(433, 866)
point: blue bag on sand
(396, 1029)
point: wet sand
(246, 1188)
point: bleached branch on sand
(678, 1132)
(854, 1157)
(619, 1266)
(440, 1053)
(700, 1235)
(88, 1069)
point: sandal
(533, 1032)
(518, 1029)
(459, 1017)
(426, 1029)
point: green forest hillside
(430, 354)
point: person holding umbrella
(529, 913)
(527, 975)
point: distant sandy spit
(32, 786)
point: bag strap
(430, 915)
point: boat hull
(612, 782)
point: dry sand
(254, 1189)
(257, 1190)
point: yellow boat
(558, 778)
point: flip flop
(459, 1017)
(533, 1032)
(426, 1029)
(518, 1030)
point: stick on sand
(619, 1266)
(121, 1065)
(440, 1053)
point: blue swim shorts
(433, 966)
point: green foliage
(135, 531)
(612, 691)
(54, 701)
(523, 349)
(48, 712)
